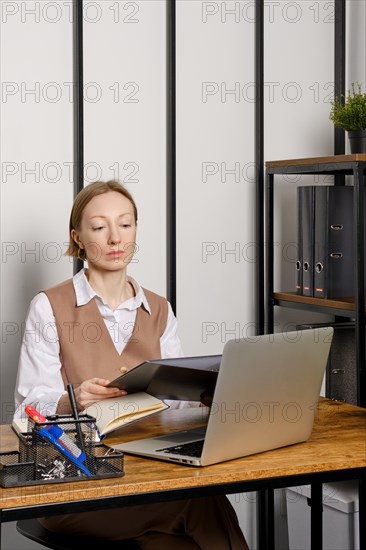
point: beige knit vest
(86, 347)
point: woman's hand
(94, 390)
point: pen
(43, 432)
(56, 431)
(74, 408)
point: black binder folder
(298, 264)
(333, 242)
(306, 222)
(341, 373)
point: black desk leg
(316, 517)
(265, 520)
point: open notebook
(265, 397)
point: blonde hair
(80, 202)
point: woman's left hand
(94, 390)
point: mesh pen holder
(75, 457)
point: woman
(85, 331)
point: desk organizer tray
(38, 461)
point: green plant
(349, 112)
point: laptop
(265, 397)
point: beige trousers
(206, 523)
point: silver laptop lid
(266, 393)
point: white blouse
(39, 379)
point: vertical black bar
(171, 154)
(78, 106)
(358, 207)
(270, 252)
(265, 520)
(316, 516)
(362, 512)
(262, 502)
(259, 160)
(339, 69)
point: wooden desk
(336, 451)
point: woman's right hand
(94, 390)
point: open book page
(113, 413)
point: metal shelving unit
(354, 165)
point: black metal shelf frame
(358, 169)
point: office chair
(33, 530)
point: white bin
(340, 516)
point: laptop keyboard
(193, 449)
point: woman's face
(107, 232)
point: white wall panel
(215, 173)
(36, 164)
(125, 117)
(355, 44)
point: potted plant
(349, 113)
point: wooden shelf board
(346, 304)
(316, 160)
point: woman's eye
(97, 228)
(126, 225)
